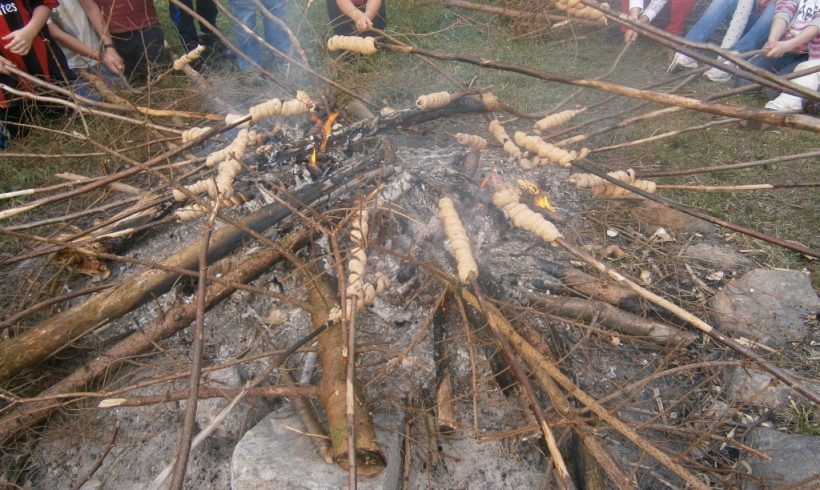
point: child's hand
(112, 60)
(3, 64)
(361, 21)
(19, 41)
(776, 49)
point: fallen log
(614, 318)
(58, 331)
(332, 387)
(25, 416)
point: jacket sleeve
(654, 8)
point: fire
(529, 186)
(328, 128)
(313, 158)
(542, 201)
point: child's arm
(778, 48)
(110, 57)
(68, 41)
(371, 9)
(19, 41)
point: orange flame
(542, 201)
(328, 128)
(529, 186)
(313, 158)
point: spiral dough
(356, 44)
(523, 217)
(467, 268)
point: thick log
(333, 387)
(614, 318)
(30, 414)
(55, 333)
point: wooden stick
(515, 13)
(117, 186)
(206, 392)
(669, 134)
(734, 188)
(732, 166)
(187, 432)
(798, 121)
(445, 413)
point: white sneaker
(681, 60)
(716, 74)
(780, 106)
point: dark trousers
(781, 66)
(141, 50)
(185, 25)
(343, 25)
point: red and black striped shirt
(44, 59)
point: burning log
(445, 413)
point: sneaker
(776, 105)
(683, 61)
(716, 74)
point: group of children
(55, 40)
(787, 33)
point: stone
(655, 214)
(714, 256)
(272, 456)
(793, 458)
(768, 306)
(756, 388)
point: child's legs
(274, 34)
(245, 12)
(758, 31)
(207, 9)
(811, 82)
(782, 65)
(714, 15)
(184, 24)
(678, 12)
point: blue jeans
(781, 66)
(719, 11)
(245, 11)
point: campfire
(422, 269)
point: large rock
(273, 456)
(722, 258)
(654, 214)
(769, 306)
(760, 389)
(793, 458)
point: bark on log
(30, 414)
(55, 333)
(332, 387)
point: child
(245, 11)
(352, 17)
(793, 34)
(25, 45)
(679, 11)
(79, 28)
(796, 28)
(750, 23)
(135, 33)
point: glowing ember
(313, 158)
(542, 201)
(328, 128)
(529, 186)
